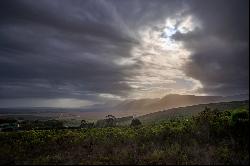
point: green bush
(135, 123)
(211, 137)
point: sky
(75, 53)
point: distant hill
(190, 110)
(117, 108)
(144, 106)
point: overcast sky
(71, 53)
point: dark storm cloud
(220, 48)
(63, 48)
(59, 49)
(51, 49)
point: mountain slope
(145, 106)
(190, 110)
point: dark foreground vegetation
(211, 137)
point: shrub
(135, 123)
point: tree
(135, 122)
(110, 121)
(85, 124)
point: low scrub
(211, 137)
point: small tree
(110, 121)
(135, 122)
(83, 124)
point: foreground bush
(212, 137)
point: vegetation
(37, 124)
(190, 111)
(135, 123)
(85, 124)
(110, 121)
(210, 137)
(7, 120)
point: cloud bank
(113, 50)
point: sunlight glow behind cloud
(161, 59)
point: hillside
(191, 110)
(145, 106)
(210, 138)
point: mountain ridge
(144, 106)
